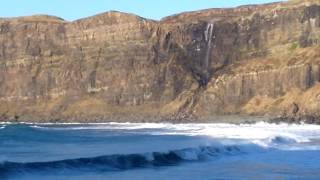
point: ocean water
(159, 151)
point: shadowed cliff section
(251, 60)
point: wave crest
(121, 162)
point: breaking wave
(253, 132)
(120, 162)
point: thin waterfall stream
(208, 38)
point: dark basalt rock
(307, 119)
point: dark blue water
(159, 151)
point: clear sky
(75, 9)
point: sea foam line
(259, 131)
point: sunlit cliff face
(250, 60)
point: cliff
(249, 60)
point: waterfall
(208, 38)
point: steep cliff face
(115, 66)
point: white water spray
(208, 37)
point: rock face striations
(250, 60)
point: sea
(159, 151)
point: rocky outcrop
(116, 66)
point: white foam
(6, 123)
(242, 131)
(263, 134)
(189, 154)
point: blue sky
(75, 9)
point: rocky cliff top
(117, 16)
(110, 18)
(35, 19)
(225, 13)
